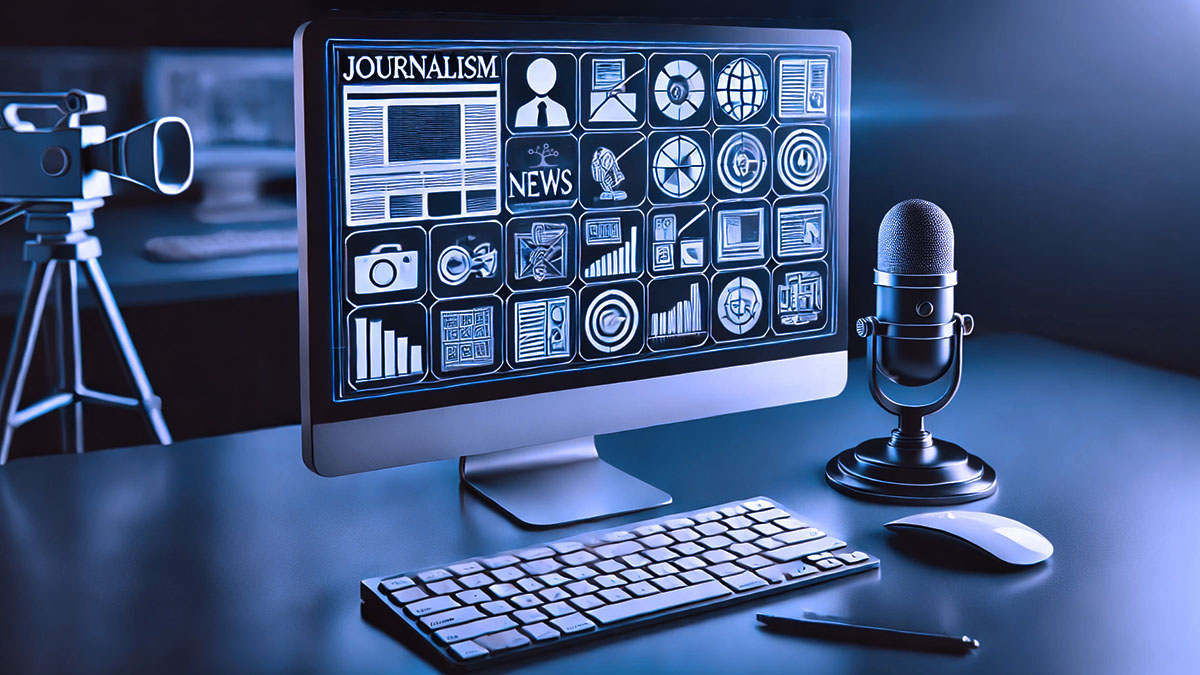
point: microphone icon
(915, 339)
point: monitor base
(932, 472)
(557, 484)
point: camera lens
(383, 273)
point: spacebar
(657, 603)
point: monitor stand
(557, 484)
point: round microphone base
(936, 472)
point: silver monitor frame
(549, 473)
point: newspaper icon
(609, 101)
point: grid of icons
(571, 207)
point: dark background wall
(1062, 137)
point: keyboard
(485, 610)
(220, 244)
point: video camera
(65, 161)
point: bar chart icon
(383, 353)
(617, 262)
(683, 319)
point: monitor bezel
(320, 414)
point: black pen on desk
(830, 628)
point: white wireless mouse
(1002, 538)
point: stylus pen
(830, 628)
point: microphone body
(914, 339)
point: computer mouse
(1002, 538)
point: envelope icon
(613, 106)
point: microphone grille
(916, 237)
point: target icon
(802, 159)
(739, 305)
(742, 162)
(679, 89)
(611, 321)
(678, 166)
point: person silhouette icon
(541, 111)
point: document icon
(609, 102)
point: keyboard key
(450, 618)
(647, 530)
(554, 594)
(709, 529)
(502, 591)
(526, 600)
(743, 535)
(768, 516)
(535, 553)
(744, 581)
(499, 642)
(719, 541)
(528, 616)
(661, 554)
(657, 540)
(395, 584)
(496, 607)
(676, 523)
(685, 534)
(572, 623)
(586, 602)
(540, 632)
(789, 524)
(768, 543)
(472, 596)
(636, 560)
(529, 584)
(688, 548)
(581, 588)
(581, 572)
(619, 549)
(641, 588)
(662, 569)
(567, 546)
(696, 576)
(789, 553)
(690, 563)
(818, 556)
(499, 561)
(610, 566)
(433, 575)
(738, 522)
(558, 609)
(659, 602)
(477, 580)
(619, 535)
(732, 511)
(508, 574)
(758, 505)
(754, 562)
(467, 650)
(718, 556)
(668, 583)
(543, 566)
(466, 568)
(614, 595)
(470, 631)
(553, 579)
(438, 603)
(609, 580)
(853, 558)
(579, 558)
(407, 595)
(829, 563)
(706, 517)
(767, 529)
(725, 569)
(792, 570)
(744, 549)
(444, 587)
(635, 575)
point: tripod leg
(70, 359)
(151, 404)
(24, 340)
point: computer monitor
(517, 235)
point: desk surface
(227, 555)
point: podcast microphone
(915, 339)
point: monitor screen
(507, 209)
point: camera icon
(387, 268)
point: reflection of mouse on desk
(1002, 538)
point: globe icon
(741, 89)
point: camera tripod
(62, 249)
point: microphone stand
(912, 467)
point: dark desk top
(227, 555)
(136, 280)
